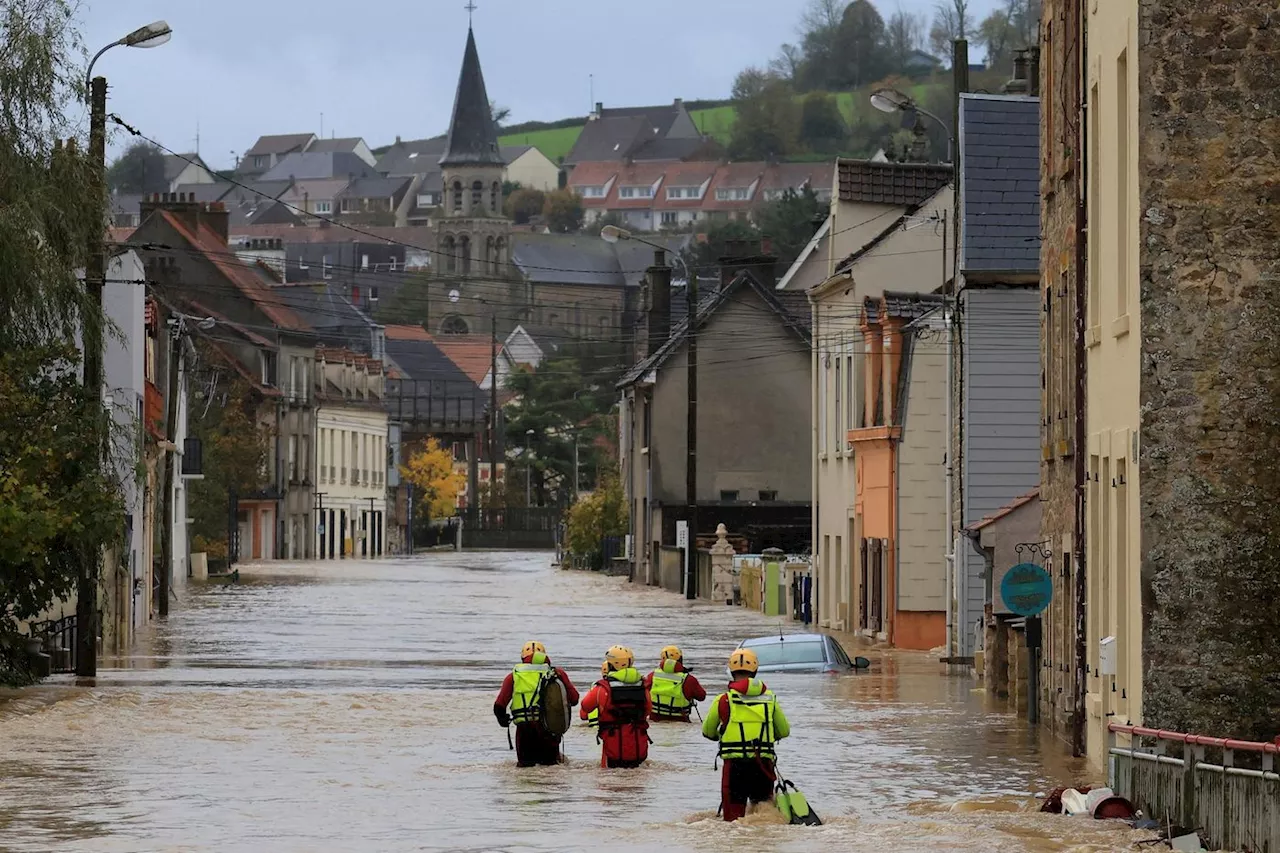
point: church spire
(473, 139)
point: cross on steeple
(470, 7)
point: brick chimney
(659, 307)
(190, 212)
(756, 256)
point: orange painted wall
(876, 504)
(920, 629)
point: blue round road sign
(1027, 589)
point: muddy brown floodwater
(347, 707)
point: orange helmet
(671, 653)
(744, 660)
(531, 648)
(619, 657)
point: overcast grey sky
(242, 68)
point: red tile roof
(782, 176)
(890, 183)
(685, 175)
(1005, 510)
(646, 174)
(249, 334)
(245, 280)
(733, 176)
(407, 333)
(471, 353)
(592, 175)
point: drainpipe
(814, 522)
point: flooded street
(347, 706)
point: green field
(555, 143)
(717, 122)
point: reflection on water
(348, 707)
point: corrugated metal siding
(922, 484)
(1002, 417)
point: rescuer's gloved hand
(504, 719)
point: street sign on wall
(1027, 589)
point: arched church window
(490, 259)
(477, 197)
(457, 195)
(464, 251)
(495, 193)
(453, 324)
(499, 255)
(449, 248)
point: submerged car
(802, 653)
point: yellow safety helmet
(671, 653)
(604, 668)
(744, 660)
(619, 657)
(531, 648)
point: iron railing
(59, 639)
(1232, 807)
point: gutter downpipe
(814, 468)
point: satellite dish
(454, 295)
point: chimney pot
(599, 107)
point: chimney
(679, 104)
(756, 257)
(599, 109)
(189, 211)
(659, 301)
(1035, 70)
(215, 215)
(1019, 84)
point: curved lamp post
(894, 101)
(152, 35)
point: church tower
(472, 235)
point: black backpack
(627, 702)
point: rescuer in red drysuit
(624, 709)
(521, 689)
(677, 688)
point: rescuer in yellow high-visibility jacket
(672, 689)
(748, 722)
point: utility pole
(493, 402)
(691, 463)
(170, 459)
(94, 273)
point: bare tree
(787, 63)
(822, 15)
(903, 35)
(951, 21)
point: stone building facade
(1207, 85)
(1061, 373)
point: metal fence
(59, 640)
(1232, 807)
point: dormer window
(733, 194)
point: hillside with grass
(556, 139)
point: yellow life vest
(748, 733)
(593, 718)
(526, 696)
(667, 692)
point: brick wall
(1210, 291)
(1059, 173)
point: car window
(841, 656)
(802, 651)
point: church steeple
(473, 139)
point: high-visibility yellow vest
(526, 698)
(749, 730)
(667, 692)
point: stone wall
(1210, 291)
(1060, 277)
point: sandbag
(554, 707)
(794, 806)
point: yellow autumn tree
(430, 469)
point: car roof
(774, 639)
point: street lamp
(894, 101)
(152, 35)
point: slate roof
(473, 138)
(281, 143)
(566, 259)
(423, 361)
(321, 305)
(910, 306)
(639, 133)
(175, 163)
(206, 192)
(707, 305)
(347, 144)
(1000, 184)
(375, 187)
(414, 157)
(889, 183)
(317, 165)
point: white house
(350, 456)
